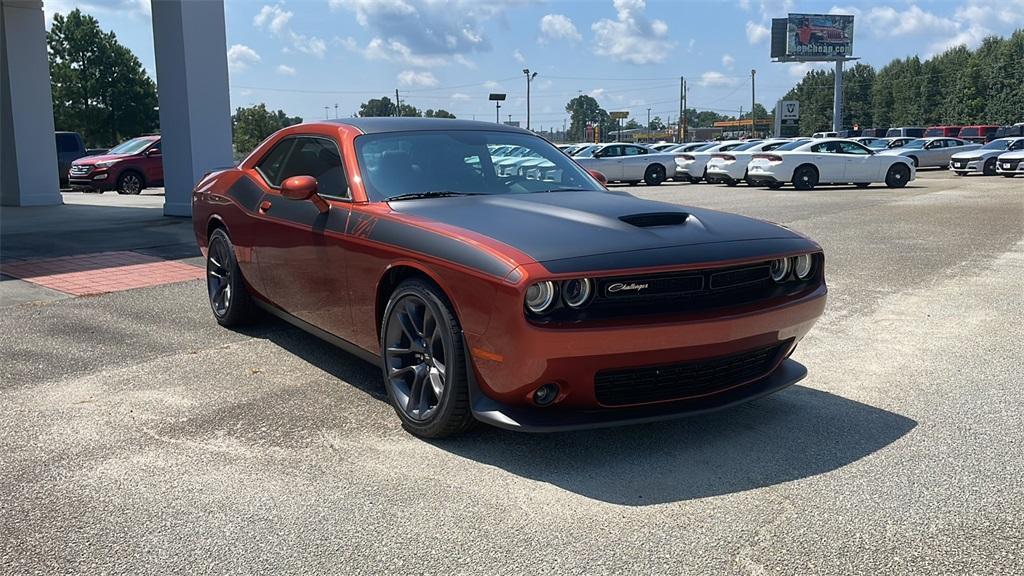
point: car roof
(376, 125)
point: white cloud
(558, 27)
(395, 51)
(631, 37)
(969, 24)
(285, 70)
(798, 71)
(519, 57)
(888, 21)
(728, 61)
(712, 78)
(134, 8)
(241, 56)
(460, 96)
(597, 92)
(417, 78)
(491, 85)
(275, 18)
(756, 33)
(850, 10)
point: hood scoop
(652, 219)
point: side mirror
(303, 188)
(600, 177)
(154, 152)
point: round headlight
(577, 291)
(802, 265)
(780, 269)
(540, 296)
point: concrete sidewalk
(88, 224)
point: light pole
(648, 126)
(753, 118)
(497, 98)
(529, 79)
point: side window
(827, 147)
(851, 148)
(321, 159)
(270, 166)
(612, 152)
(631, 150)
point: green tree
(630, 124)
(100, 88)
(252, 125)
(440, 113)
(377, 107)
(656, 124)
(584, 110)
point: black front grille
(679, 381)
(1009, 164)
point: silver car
(630, 163)
(983, 160)
(932, 152)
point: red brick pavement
(101, 272)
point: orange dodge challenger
(493, 279)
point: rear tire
(989, 169)
(130, 182)
(654, 175)
(229, 296)
(805, 178)
(731, 183)
(424, 361)
(897, 176)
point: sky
(303, 55)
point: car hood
(976, 153)
(90, 160)
(558, 226)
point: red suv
(942, 132)
(979, 134)
(128, 168)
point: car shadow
(797, 433)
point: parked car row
(980, 133)
(1002, 156)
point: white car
(1010, 164)
(829, 161)
(731, 167)
(817, 135)
(984, 159)
(692, 166)
(630, 163)
(932, 152)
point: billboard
(814, 37)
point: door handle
(264, 206)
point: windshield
(463, 162)
(133, 146)
(997, 145)
(746, 146)
(791, 145)
(706, 147)
(919, 143)
(586, 152)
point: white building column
(28, 154)
(192, 79)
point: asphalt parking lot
(141, 438)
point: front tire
(989, 169)
(129, 183)
(805, 178)
(424, 361)
(229, 296)
(897, 176)
(654, 175)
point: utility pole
(648, 125)
(335, 110)
(509, 119)
(325, 113)
(398, 104)
(837, 101)
(529, 80)
(682, 108)
(752, 102)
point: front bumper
(512, 359)
(522, 419)
(966, 166)
(1010, 166)
(95, 180)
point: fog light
(546, 394)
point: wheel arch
(216, 222)
(394, 275)
(132, 170)
(808, 165)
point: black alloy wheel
(654, 175)
(129, 183)
(229, 298)
(424, 362)
(805, 178)
(897, 176)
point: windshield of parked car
(997, 145)
(585, 152)
(745, 146)
(915, 144)
(133, 146)
(463, 162)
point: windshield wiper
(560, 190)
(429, 194)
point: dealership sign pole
(816, 38)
